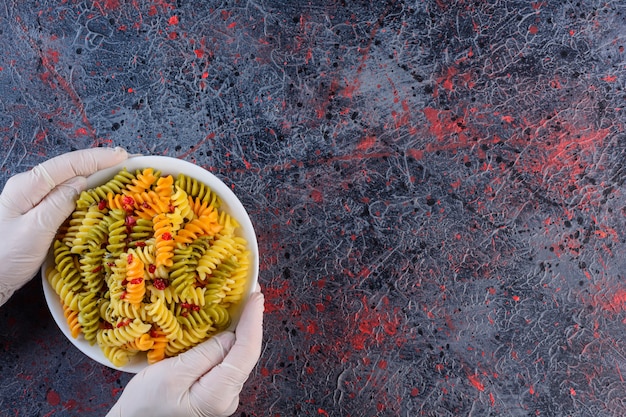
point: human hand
(202, 382)
(35, 203)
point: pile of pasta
(148, 263)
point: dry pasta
(148, 264)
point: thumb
(58, 204)
(199, 360)
(244, 354)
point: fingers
(24, 191)
(83, 163)
(249, 333)
(202, 358)
(57, 205)
(243, 356)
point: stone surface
(437, 189)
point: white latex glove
(35, 203)
(202, 382)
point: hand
(205, 381)
(35, 203)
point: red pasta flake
(123, 294)
(160, 283)
(130, 221)
(97, 269)
(136, 281)
(128, 200)
(123, 323)
(166, 236)
(190, 306)
(102, 205)
(152, 268)
(141, 244)
(129, 258)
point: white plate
(167, 166)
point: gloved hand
(202, 382)
(35, 203)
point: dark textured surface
(437, 189)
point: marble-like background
(437, 189)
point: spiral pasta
(84, 237)
(180, 200)
(149, 265)
(204, 225)
(164, 318)
(189, 338)
(72, 320)
(117, 232)
(164, 243)
(142, 343)
(160, 341)
(117, 355)
(67, 266)
(64, 291)
(91, 270)
(125, 331)
(142, 182)
(135, 283)
(195, 188)
(113, 186)
(148, 204)
(222, 247)
(72, 225)
(89, 315)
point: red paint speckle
(366, 143)
(53, 398)
(53, 56)
(111, 4)
(473, 379)
(317, 196)
(81, 132)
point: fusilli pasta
(148, 263)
